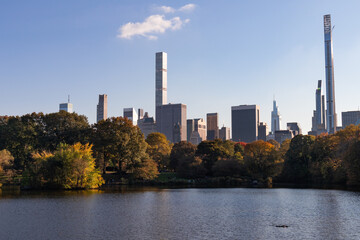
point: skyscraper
(101, 110)
(329, 72)
(245, 122)
(160, 80)
(68, 107)
(140, 113)
(212, 120)
(198, 134)
(275, 118)
(172, 121)
(147, 125)
(131, 114)
(318, 120)
(224, 133)
(262, 131)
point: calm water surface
(203, 213)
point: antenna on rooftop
(69, 98)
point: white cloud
(187, 8)
(166, 9)
(154, 24)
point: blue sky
(220, 54)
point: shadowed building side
(245, 122)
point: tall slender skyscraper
(275, 118)
(320, 110)
(101, 110)
(160, 81)
(329, 72)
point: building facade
(101, 109)
(262, 131)
(224, 133)
(294, 127)
(67, 107)
(350, 117)
(130, 113)
(198, 134)
(331, 120)
(282, 135)
(147, 125)
(172, 121)
(140, 113)
(245, 122)
(212, 120)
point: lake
(185, 213)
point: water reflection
(158, 213)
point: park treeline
(62, 150)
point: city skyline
(69, 60)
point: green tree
(190, 167)
(211, 151)
(118, 142)
(228, 167)
(64, 127)
(146, 170)
(297, 159)
(21, 136)
(159, 149)
(181, 150)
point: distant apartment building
(147, 125)
(282, 135)
(294, 127)
(245, 122)
(350, 117)
(172, 121)
(190, 126)
(130, 113)
(140, 113)
(212, 126)
(101, 109)
(262, 131)
(196, 130)
(224, 133)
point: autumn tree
(6, 166)
(262, 160)
(159, 149)
(69, 167)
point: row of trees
(45, 149)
